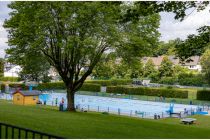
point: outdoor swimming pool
(120, 106)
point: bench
(188, 120)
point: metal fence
(8, 131)
(133, 113)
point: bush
(11, 79)
(113, 82)
(21, 86)
(14, 86)
(170, 93)
(61, 85)
(168, 80)
(191, 79)
(194, 81)
(91, 87)
(203, 95)
(51, 86)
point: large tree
(1, 67)
(205, 63)
(73, 35)
(194, 44)
(149, 68)
(33, 63)
(166, 67)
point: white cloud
(172, 29)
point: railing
(22, 133)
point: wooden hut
(26, 97)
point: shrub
(168, 80)
(113, 82)
(170, 93)
(2, 88)
(61, 85)
(14, 86)
(11, 79)
(91, 87)
(51, 86)
(191, 79)
(21, 86)
(203, 95)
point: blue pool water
(126, 106)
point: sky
(169, 27)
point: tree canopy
(72, 36)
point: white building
(12, 70)
(194, 64)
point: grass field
(95, 125)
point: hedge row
(203, 95)
(12, 79)
(53, 86)
(170, 93)
(113, 82)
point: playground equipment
(200, 111)
(171, 108)
(31, 85)
(44, 97)
(139, 113)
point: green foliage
(149, 68)
(18, 86)
(166, 68)
(171, 93)
(155, 76)
(51, 86)
(33, 63)
(1, 66)
(168, 80)
(205, 63)
(91, 87)
(14, 86)
(203, 95)
(61, 85)
(191, 79)
(11, 79)
(194, 44)
(110, 82)
(179, 8)
(104, 69)
(166, 48)
(73, 36)
(177, 70)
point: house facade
(11, 70)
(193, 64)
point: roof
(156, 60)
(29, 93)
(195, 60)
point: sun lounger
(188, 120)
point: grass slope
(94, 125)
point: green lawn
(95, 125)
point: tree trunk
(70, 99)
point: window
(18, 97)
(34, 97)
